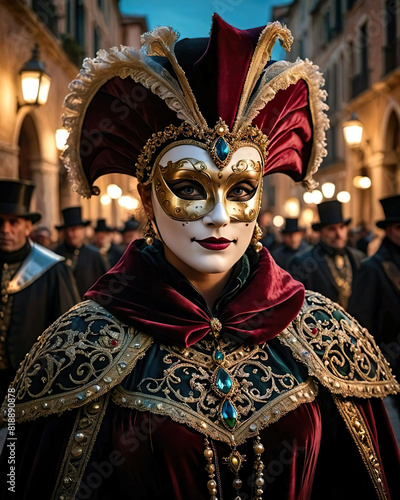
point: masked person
(198, 368)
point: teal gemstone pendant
(221, 149)
(223, 381)
(218, 356)
(229, 414)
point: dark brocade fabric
(309, 453)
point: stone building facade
(65, 31)
(356, 45)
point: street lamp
(114, 191)
(343, 196)
(353, 131)
(292, 207)
(61, 138)
(362, 182)
(105, 200)
(35, 82)
(316, 196)
(278, 221)
(328, 189)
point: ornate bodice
(87, 352)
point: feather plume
(261, 55)
(161, 42)
(123, 62)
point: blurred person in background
(329, 267)
(85, 260)
(292, 242)
(268, 239)
(130, 232)
(36, 285)
(42, 236)
(102, 239)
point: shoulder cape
(87, 352)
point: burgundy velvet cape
(309, 453)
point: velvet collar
(134, 292)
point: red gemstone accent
(314, 331)
(114, 342)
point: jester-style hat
(221, 93)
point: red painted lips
(214, 243)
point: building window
(360, 81)
(74, 39)
(96, 39)
(391, 50)
(46, 12)
(79, 23)
(350, 3)
(338, 26)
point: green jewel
(223, 381)
(222, 149)
(218, 356)
(229, 414)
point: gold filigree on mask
(219, 142)
(216, 186)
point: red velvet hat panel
(119, 120)
(122, 98)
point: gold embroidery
(79, 358)
(342, 273)
(186, 390)
(341, 354)
(82, 440)
(271, 412)
(359, 432)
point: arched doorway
(391, 169)
(29, 153)
(33, 165)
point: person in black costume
(293, 243)
(85, 260)
(375, 300)
(102, 239)
(330, 266)
(36, 285)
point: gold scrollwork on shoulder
(79, 358)
(341, 354)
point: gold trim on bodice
(188, 386)
(267, 415)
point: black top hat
(102, 226)
(291, 226)
(130, 225)
(391, 207)
(72, 217)
(330, 212)
(15, 199)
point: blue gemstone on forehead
(222, 148)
